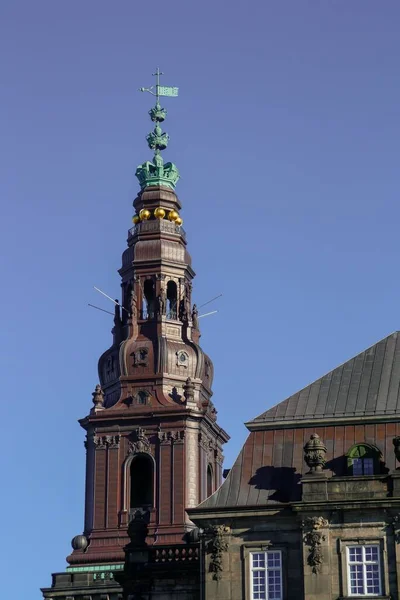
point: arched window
(142, 481)
(363, 459)
(210, 487)
(172, 299)
(150, 298)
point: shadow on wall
(281, 483)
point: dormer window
(363, 459)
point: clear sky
(286, 133)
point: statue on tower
(161, 302)
(195, 317)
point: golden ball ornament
(159, 213)
(144, 214)
(173, 215)
(179, 221)
(136, 219)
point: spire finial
(156, 173)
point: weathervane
(161, 90)
(157, 173)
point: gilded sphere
(173, 215)
(136, 219)
(179, 221)
(79, 542)
(144, 214)
(159, 213)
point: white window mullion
(364, 570)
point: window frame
(343, 545)
(362, 451)
(364, 564)
(262, 547)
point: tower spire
(157, 173)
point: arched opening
(141, 471)
(150, 297)
(172, 300)
(210, 487)
(364, 459)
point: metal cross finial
(157, 74)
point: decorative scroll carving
(313, 539)
(102, 442)
(204, 441)
(171, 437)
(219, 457)
(140, 442)
(315, 454)
(113, 441)
(219, 544)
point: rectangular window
(364, 572)
(266, 575)
(363, 466)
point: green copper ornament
(157, 173)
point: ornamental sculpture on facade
(218, 544)
(140, 443)
(315, 454)
(313, 539)
(98, 397)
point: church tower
(153, 445)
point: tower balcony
(157, 225)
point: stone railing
(174, 554)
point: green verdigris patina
(154, 173)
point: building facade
(310, 509)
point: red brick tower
(153, 445)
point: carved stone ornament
(204, 441)
(218, 544)
(313, 539)
(315, 454)
(98, 397)
(140, 357)
(140, 442)
(171, 437)
(102, 442)
(396, 444)
(188, 390)
(182, 359)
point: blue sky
(286, 133)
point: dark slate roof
(366, 385)
(355, 402)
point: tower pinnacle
(157, 173)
